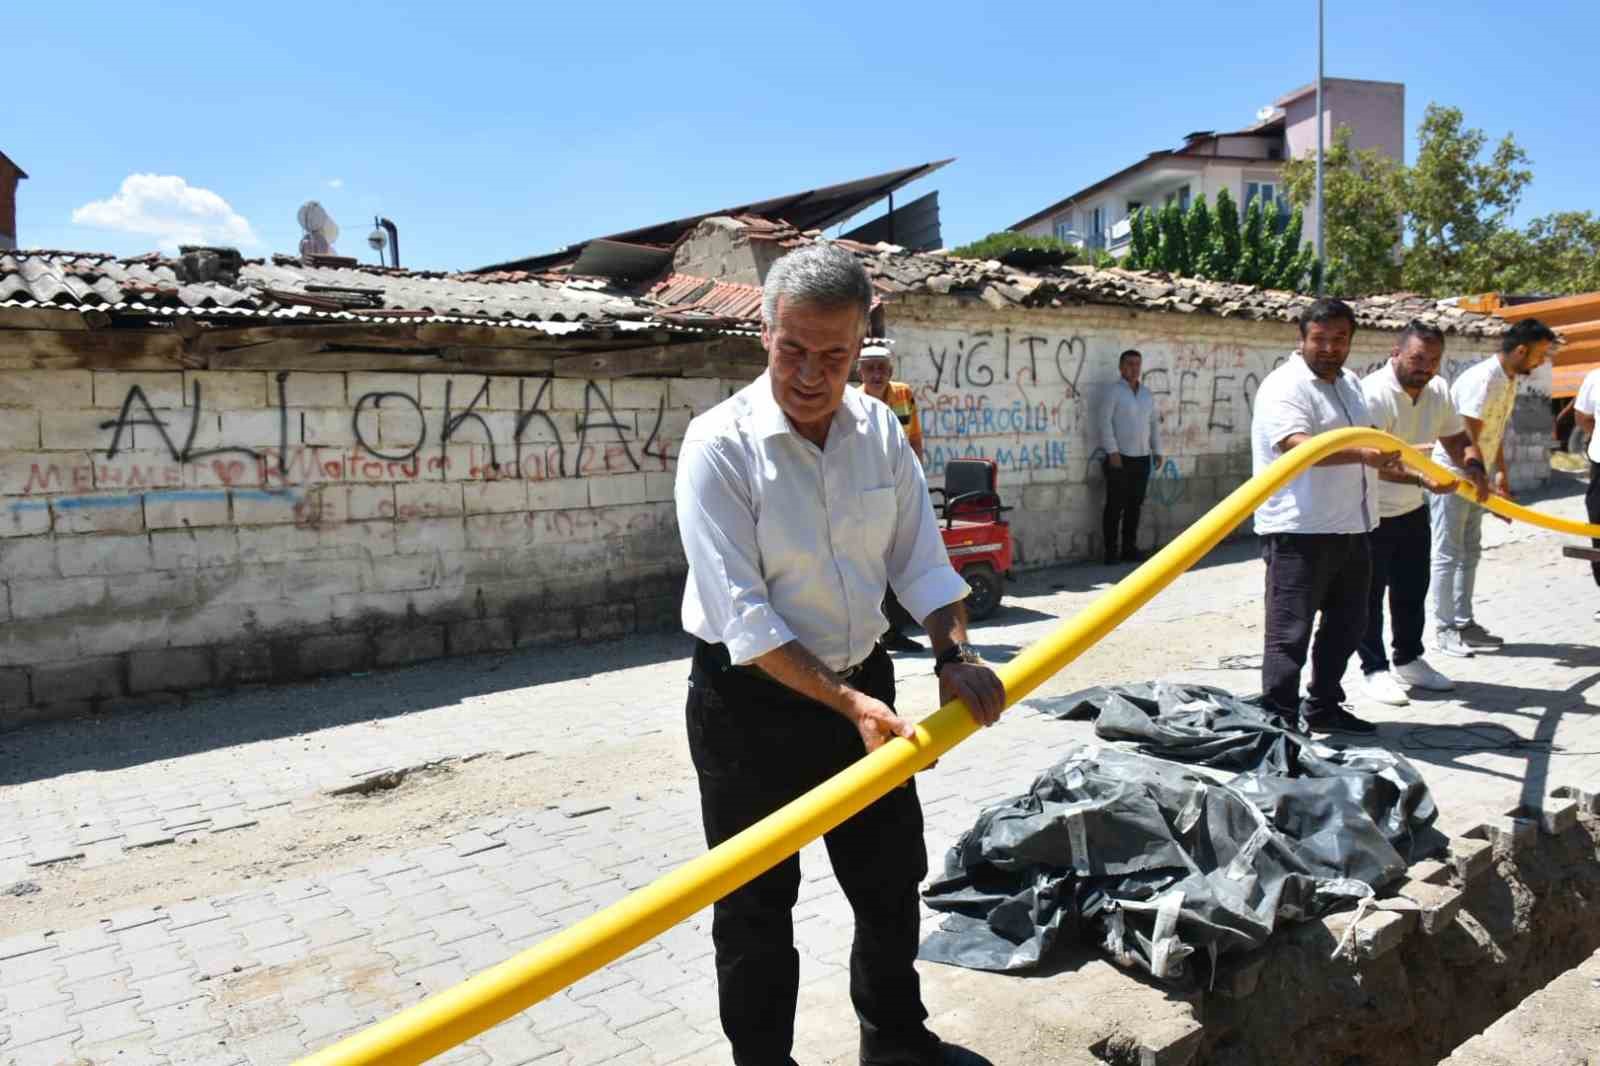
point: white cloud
(166, 207)
(336, 183)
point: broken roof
(897, 273)
(811, 209)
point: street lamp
(1322, 265)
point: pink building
(1247, 162)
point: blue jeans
(1457, 546)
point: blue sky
(488, 131)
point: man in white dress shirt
(1407, 398)
(1314, 530)
(799, 501)
(1130, 435)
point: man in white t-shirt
(1406, 398)
(1484, 395)
(1584, 410)
(1314, 530)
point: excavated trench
(1427, 980)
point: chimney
(10, 174)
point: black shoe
(895, 640)
(1111, 559)
(943, 1055)
(1134, 555)
(1337, 720)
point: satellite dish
(320, 229)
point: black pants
(1591, 500)
(1125, 489)
(1308, 573)
(1400, 564)
(757, 745)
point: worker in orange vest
(875, 365)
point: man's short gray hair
(824, 275)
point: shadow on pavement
(138, 735)
(1450, 746)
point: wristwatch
(956, 653)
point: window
(1274, 201)
(1064, 230)
(1096, 226)
(1180, 197)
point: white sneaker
(1418, 674)
(1381, 686)
(1449, 641)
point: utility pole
(1323, 263)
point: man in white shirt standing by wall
(1407, 398)
(1485, 395)
(1584, 408)
(1130, 434)
(1314, 530)
(799, 501)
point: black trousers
(1307, 574)
(1401, 551)
(1125, 489)
(757, 745)
(1591, 500)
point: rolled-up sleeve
(717, 523)
(919, 569)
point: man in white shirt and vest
(799, 502)
(1130, 435)
(1485, 394)
(1314, 530)
(1407, 398)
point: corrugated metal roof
(812, 209)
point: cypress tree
(1225, 240)
(1197, 238)
(1174, 254)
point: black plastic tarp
(1155, 860)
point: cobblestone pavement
(269, 972)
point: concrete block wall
(166, 532)
(1025, 387)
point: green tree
(1562, 256)
(1254, 256)
(1174, 255)
(1223, 262)
(1291, 258)
(1197, 227)
(1457, 203)
(1138, 242)
(1363, 212)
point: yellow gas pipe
(455, 1015)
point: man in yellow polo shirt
(875, 365)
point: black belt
(720, 655)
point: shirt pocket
(880, 512)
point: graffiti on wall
(1031, 401)
(534, 442)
